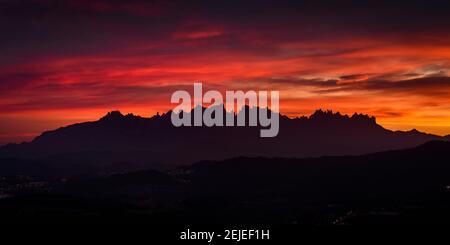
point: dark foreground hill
(402, 186)
(119, 142)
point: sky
(63, 62)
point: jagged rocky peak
(329, 115)
(112, 115)
(364, 118)
(326, 114)
(131, 115)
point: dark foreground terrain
(403, 186)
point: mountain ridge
(116, 115)
(154, 140)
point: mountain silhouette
(119, 141)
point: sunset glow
(59, 67)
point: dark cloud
(57, 28)
(11, 81)
(433, 86)
(297, 82)
(91, 95)
(354, 76)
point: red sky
(72, 62)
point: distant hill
(136, 142)
(396, 171)
(401, 186)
